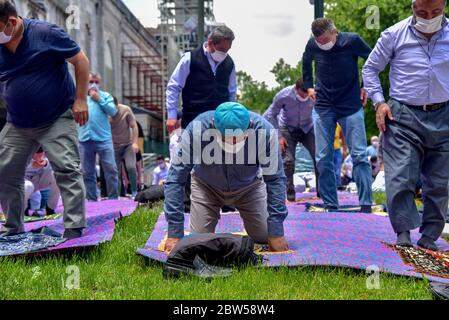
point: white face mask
(230, 147)
(325, 47)
(429, 26)
(4, 39)
(94, 86)
(219, 56)
(301, 98)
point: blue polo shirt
(35, 81)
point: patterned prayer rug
(425, 261)
(29, 219)
(350, 240)
(101, 219)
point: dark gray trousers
(416, 144)
(294, 137)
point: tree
(285, 74)
(256, 95)
(253, 94)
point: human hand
(171, 125)
(312, 94)
(283, 144)
(135, 148)
(382, 112)
(364, 97)
(80, 112)
(278, 244)
(94, 95)
(170, 244)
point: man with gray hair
(415, 121)
(206, 78)
(339, 99)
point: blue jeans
(354, 131)
(105, 150)
(338, 160)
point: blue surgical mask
(94, 86)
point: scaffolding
(144, 78)
(180, 20)
(178, 32)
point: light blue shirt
(98, 127)
(288, 112)
(179, 77)
(371, 151)
(419, 68)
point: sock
(404, 239)
(49, 211)
(366, 209)
(427, 243)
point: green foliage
(256, 95)
(253, 94)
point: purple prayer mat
(350, 240)
(123, 206)
(101, 217)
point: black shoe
(427, 243)
(49, 211)
(291, 196)
(227, 209)
(70, 234)
(366, 209)
(404, 239)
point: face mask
(325, 47)
(429, 26)
(3, 37)
(230, 147)
(219, 56)
(301, 98)
(94, 86)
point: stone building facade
(119, 48)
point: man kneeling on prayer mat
(236, 161)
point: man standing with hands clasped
(415, 121)
(44, 108)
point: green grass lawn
(114, 271)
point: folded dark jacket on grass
(208, 255)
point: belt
(429, 107)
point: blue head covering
(231, 116)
